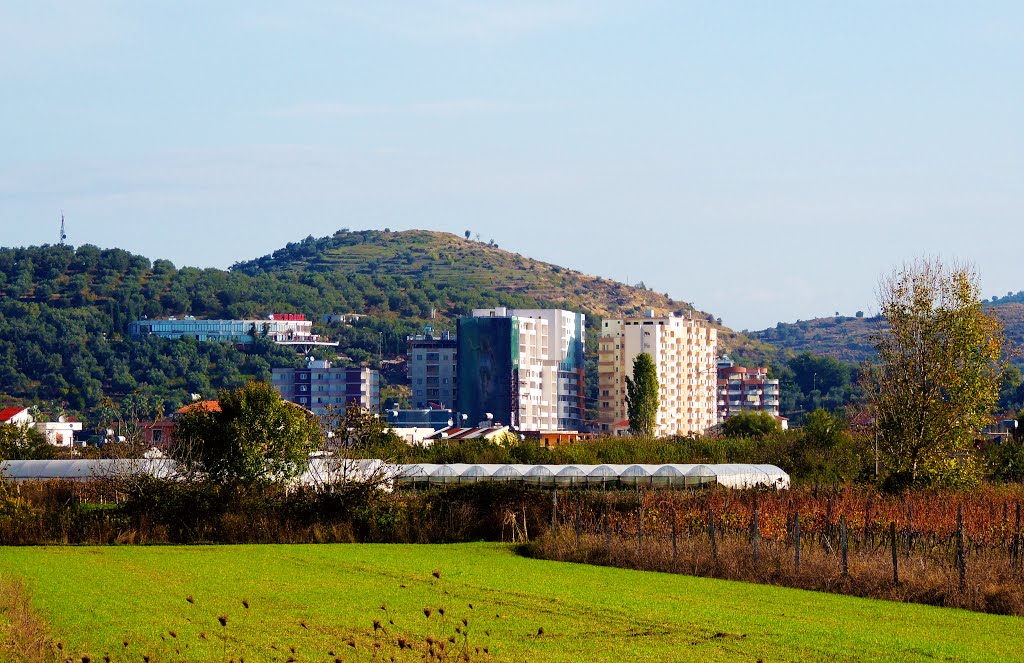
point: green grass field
(316, 597)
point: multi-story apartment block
(282, 328)
(523, 367)
(684, 352)
(743, 389)
(323, 388)
(432, 370)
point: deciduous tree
(750, 424)
(940, 369)
(23, 443)
(252, 437)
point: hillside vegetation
(64, 311)
(849, 339)
(445, 264)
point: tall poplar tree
(940, 369)
(642, 399)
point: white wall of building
(685, 355)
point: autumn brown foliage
(712, 534)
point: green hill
(64, 311)
(850, 339)
(454, 272)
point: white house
(16, 416)
(60, 433)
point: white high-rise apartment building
(529, 368)
(685, 352)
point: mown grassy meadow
(324, 598)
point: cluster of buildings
(505, 370)
(523, 369)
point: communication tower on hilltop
(63, 235)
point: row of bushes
(146, 511)
(810, 457)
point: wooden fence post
(1006, 522)
(910, 526)
(1016, 538)
(867, 520)
(844, 543)
(895, 568)
(796, 539)
(789, 519)
(711, 533)
(608, 531)
(639, 527)
(675, 549)
(577, 524)
(826, 531)
(961, 563)
(755, 532)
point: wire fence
(935, 547)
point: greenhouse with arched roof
(328, 470)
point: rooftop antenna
(63, 235)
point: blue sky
(765, 161)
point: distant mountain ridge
(850, 339)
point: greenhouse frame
(326, 471)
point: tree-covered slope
(850, 339)
(448, 272)
(64, 311)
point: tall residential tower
(523, 367)
(432, 369)
(684, 352)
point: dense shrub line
(151, 511)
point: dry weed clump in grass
(446, 639)
(24, 636)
